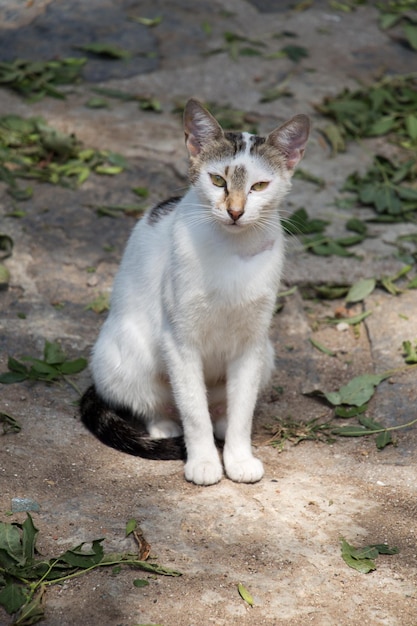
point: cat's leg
(218, 409)
(164, 429)
(203, 465)
(244, 376)
(165, 421)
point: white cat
(185, 347)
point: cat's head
(240, 177)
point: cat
(184, 351)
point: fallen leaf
(140, 582)
(361, 559)
(322, 348)
(150, 22)
(105, 50)
(244, 594)
(410, 352)
(358, 391)
(362, 565)
(361, 290)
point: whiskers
(202, 216)
(266, 222)
(290, 226)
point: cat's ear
(291, 139)
(200, 127)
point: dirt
(280, 537)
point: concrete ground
(280, 538)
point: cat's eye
(260, 186)
(218, 180)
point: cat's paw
(164, 429)
(203, 471)
(248, 470)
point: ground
(280, 537)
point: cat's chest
(225, 294)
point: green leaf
(12, 597)
(53, 353)
(17, 561)
(131, 526)
(36, 79)
(77, 557)
(29, 535)
(381, 127)
(295, 53)
(40, 369)
(334, 137)
(347, 412)
(73, 367)
(106, 50)
(10, 423)
(32, 612)
(150, 22)
(244, 594)
(368, 422)
(19, 193)
(108, 170)
(142, 192)
(97, 103)
(388, 284)
(383, 439)
(411, 125)
(302, 174)
(330, 247)
(358, 391)
(362, 565)
(299, 223)
(387, 20)
(410, 30)
(410, 352)
(356, 226)
(368, 552)
(6, 561)
(10, 542)
(248, 51)
(16, 366)
(100, 304)
(361, 290)
(150, 104)
(274, 93)
(383, 548)
(322, 348)
(6, 246)
(352, 321)
(114, 158)
(8, 378)
(331, 292)
(140, 582)
(333, 397)
(361, 559)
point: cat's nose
(235, 213)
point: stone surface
(280, 537)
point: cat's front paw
(203, 472)
(248, 470)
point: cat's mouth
(235, 224)
(235, 227)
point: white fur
(187, 333)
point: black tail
(117, 428)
